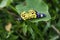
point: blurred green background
(47, 28)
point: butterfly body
(40, 15)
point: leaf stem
(56, 29)
(13, 8)
(21, 36)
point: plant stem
(56, 29)
(13, 8)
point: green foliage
(47, 28)
(5, 3)
(35, 5)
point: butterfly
(31, 14)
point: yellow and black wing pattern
(31, 14)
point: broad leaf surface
(37, 5)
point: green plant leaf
(13, 37)
(24, 29)
(32, 32)
(5, 3)
(54, 38)
(58, 24)
(35, 28)
(39, 6)
(48, 25)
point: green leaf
(24, 29)
(39, 6)
(32, 32)
(20, 8)
(13, 37)
(48, 25)
(54, 38)
(58, 24)
(5, 3)
(9, 34)
(35, 28)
